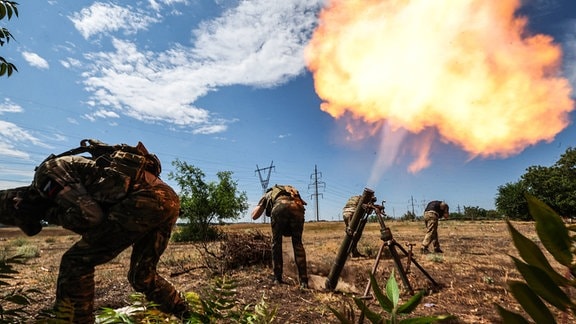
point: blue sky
(226, 86)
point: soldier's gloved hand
(30, 210)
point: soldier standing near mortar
(286, 209)
(434, 210)
(347, 213)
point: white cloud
(258, 43)
(106, 17)
(35, 60)
(70, 63)
(9, 106)
(10, 135)
(105, 114)
(157, 5)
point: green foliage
(196, 232)
(554, 185)
(140, 311)
(8, 9)
(408, 216)
(475, 213)
(390, 303)
(13, 300)
(510, 201)
(204, 204)
(220, 306)
(542, 283)
(28, 251)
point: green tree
(7, 10)
(510, 201)
(555, 185)
(204, 204)
(475, 212)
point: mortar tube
(342, 255)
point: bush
(542, 284)
(195, 232)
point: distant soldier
(286, 209)
(434, 210)
(347, 213)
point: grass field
(472, 272)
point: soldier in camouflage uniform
(111, 213)
(434, 210)
(347, 213)
(286, 209)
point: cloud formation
(35, 60)
(107, 17)
(257, 43)
(11, 134)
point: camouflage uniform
(347, 213)
(79, 187)
(286, 209)
(143, 219)
(432, 213)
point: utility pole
(315, 184)
(412, 199)
(264, 182)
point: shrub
(541, 282)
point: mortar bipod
(389, 242)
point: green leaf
(341, 317)
(18, 299)
(427, 319)
(509, 317)
(9, 11)
(2, 11)
(370, 315)
(551, 230)
(392, 290)
(411, 304)
(532, 254)
(384, 301)
(531, 303)
(541, 284)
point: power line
(264, 181)
(316, 183)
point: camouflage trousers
(144, 220)
(431, 237)
(288, 220)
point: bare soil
(471, 273)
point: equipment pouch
(129, 164)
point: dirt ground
(471, 273)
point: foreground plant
(13, 300)
(542, 283)
(390, 304)
(221, 305)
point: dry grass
(472, 272)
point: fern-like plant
(390, 303)
(542, 283)
(220, 305)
